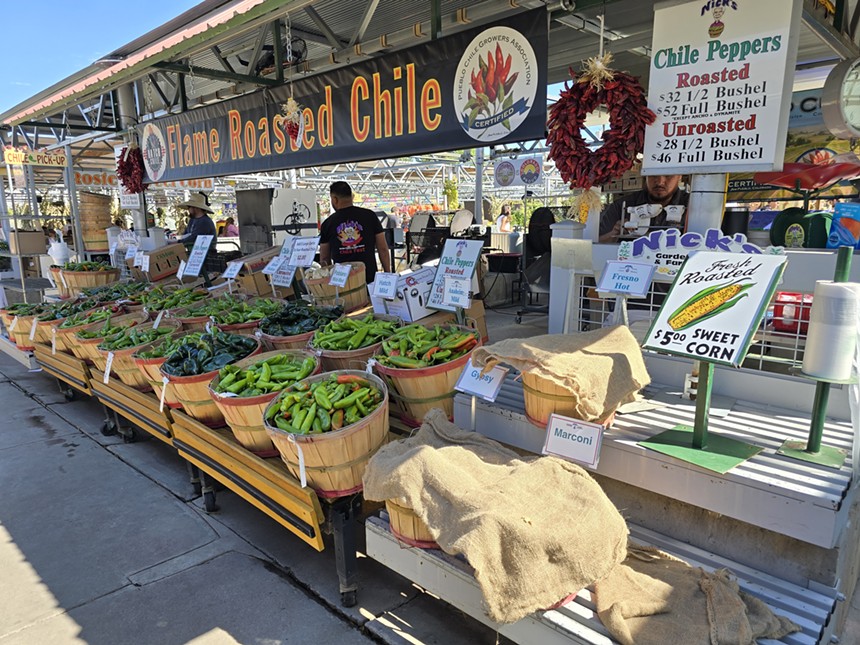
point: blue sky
(45, 41)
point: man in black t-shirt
(352, 234)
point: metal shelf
(31, 218)
(9, 254)
(30, 284)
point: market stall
(649, 428)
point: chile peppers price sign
(720, 84)
(715, 305)
(481, 86)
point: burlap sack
(602, 368)
(534, 529)
(655, 599)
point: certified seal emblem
(495, 83)
(154, 152)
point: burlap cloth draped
(655, 599)
(602, 369)
(536, 529)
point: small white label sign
(385, 285)
(303, 251)
(626, 278)
(180, 272)
(108, 365)
(340, 275)
(274, 264)
(158, 319)
(144, 263)
(283, 277)
(138, 258)
(456, 292)
(198, 254)
(130, 252)
(232, 270)
(485, 386)
(573, 439)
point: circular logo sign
(495, 84)
(530, 171)
(154, 152)
(505, 173)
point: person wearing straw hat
(199, 222)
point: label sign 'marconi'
(667, 249)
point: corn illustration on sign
(715, 305)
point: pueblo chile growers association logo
(495, 83)
(154, 152)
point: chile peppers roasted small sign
(716, 303)
(478, 87)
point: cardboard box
(163, 262)
(259, 284)
(413, 292)
(29, 243)
(256, 262)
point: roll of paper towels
(833, 329)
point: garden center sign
(481, 86)
(720, 84)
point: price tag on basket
(63, 279)
(485, 386)
(283, 277)
(53, 341)
(340, 275)
(457, 292)
(144, 263)
(138, 258)
(303, 251)
(164, 382)
(232, 270)
(130, 252)
(198, 254)
(158, 319)
(108, 365)
(33, 329)
(573, 439)
(274, 264)
(13, 324)
(385, 285)
(180, 272)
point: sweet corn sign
(714, 306)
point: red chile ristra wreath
(628, 115)
(129, 169)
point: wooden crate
(140, 408)
(265, 483)
(72, 371)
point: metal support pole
(707, 202)
(822, 388)
(278, 50)
(479, 187)
(703, 404)
(69, 176)
(435, 19)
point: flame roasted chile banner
(479, 87)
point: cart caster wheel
(69, 394)
(129, 435)
(518, 319)
(108, 429)
(209, 502)
(348, 598)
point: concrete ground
(104, 542)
